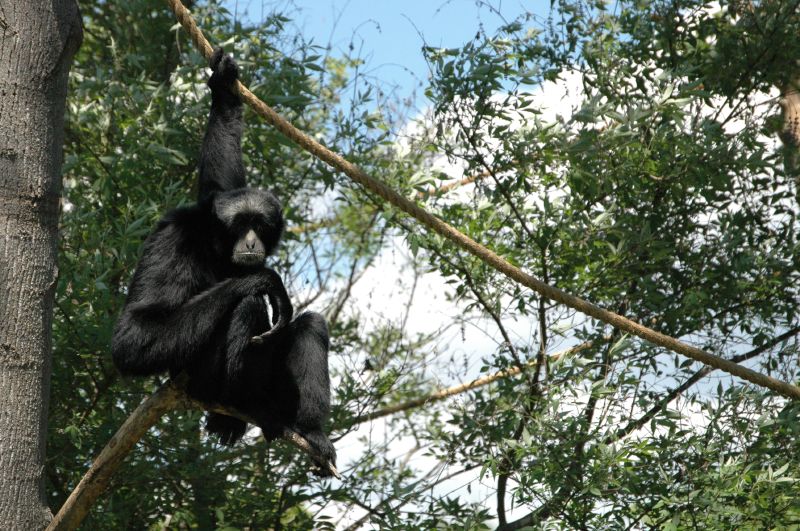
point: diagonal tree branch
(441, 394)
(170, 396)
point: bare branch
(422, 194)
(441, 394)
(99, 475)
(443, 189)
(313, 226)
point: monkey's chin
(249, 259)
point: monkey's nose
(250, 243)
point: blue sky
(389, 35)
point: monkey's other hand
(224, 70)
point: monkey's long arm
(221, 167)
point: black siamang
(196, 301)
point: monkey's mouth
(248, 259)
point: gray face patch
(249, 250)
(228, 205)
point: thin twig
(441, 394)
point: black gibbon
(196, 301)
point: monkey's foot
(323, 447)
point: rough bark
(37, 41)
(790, 131)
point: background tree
(656, 188)
(37, 42)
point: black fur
(221, 166)
(197, 298)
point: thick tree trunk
(790, 131)
(37, 41)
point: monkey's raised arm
(221, 167)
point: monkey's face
(254, 223)
(249, 250)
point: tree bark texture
(37, 42)
(790, 105)
(790, 131)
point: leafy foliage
(629, 156)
